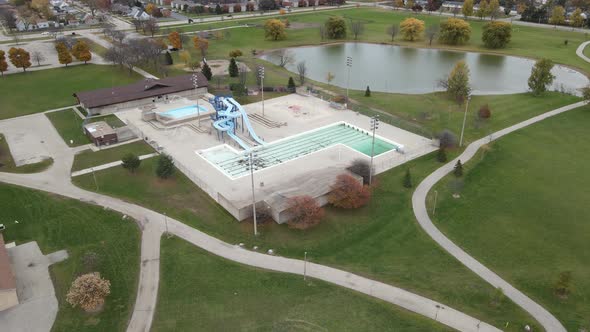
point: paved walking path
(544, 317)
(580, 51)
(108, 165)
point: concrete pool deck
(301, 113)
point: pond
(389, 68)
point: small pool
(183, 112)
(231, 162)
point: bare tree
(302, 70)
(115, 55)
(243, 75)
(68, 41)
(137, 24)
(7, 18)
(118, 36)
(322, 32)
(151, 26)
(357, 28)
(392, 31)
(38, 57)
(152, 50)
(431, 32)
(16, 37)
(285, 58)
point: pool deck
(301, 113)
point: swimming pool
(231, 162)
(183, 112)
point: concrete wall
(8, 298)
(142, 102)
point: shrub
(88, 291)
(304, 211)
(235, 53)
(233, 68)
(348, 193)
(237, 8)
(335, 27)
(131, 162)
(238, 89)
(496, 34)
(412, 28)
(447, 139)
(362, 168)
(368, 92)
(441, 156)
(291, 84)
(165, 167)
(563, 285)
(408, 179)
(454, 31)
(484, 112)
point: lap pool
(232, 162)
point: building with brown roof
(147, 91)
(8, 296)
(100, 133)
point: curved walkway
(57, 180)
(544, 317)
(580, 51)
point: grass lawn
(57, 223)
(89, 158)
(523, 212)
(7, 163)
(37, 91)
(69, 126)
(202, 292)
(381, 241)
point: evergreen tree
(165, 167)
(458, 171)
(408, 179)
(441, 156)
(233, 68)
(131, 162)
(291, 84)
(207, 71)
(368, 92)
(168, 59)
(218, 10)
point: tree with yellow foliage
(412, 28)
(201, 44)
(454, 31)
(174, 39)
(19, 58)
(150, 8)
(274, 29)
(81, 51)
(3, 63)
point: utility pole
(261, 74)
(94, 176)
(196, 85)
(435, 197)
(374, 127)
(464, 119)
(305, 265)
(349, 65)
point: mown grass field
(57, 223)
(33, 92)
(226, 296)
(89, 158)
(380, 241)
(69, 126)
(523, 212)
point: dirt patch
(220, 67)
(302, 25)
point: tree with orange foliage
(150, 8)
(201, 44)
(81, 51)
(174, 39)
(348, 193)
(3, 63)
(304, 211)
(19, 58)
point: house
(118, 8)
(8, 295)
(89, 19)
(100, 133)
(138, 13)
(144, 92)
(42, 24)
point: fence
(385, 163)
(179, 165)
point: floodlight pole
(374, 127)
(251, 158)
(305, 265)
(349, 65)
(261, 74)
(464, 120)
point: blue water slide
(246, 121)
(227, 124)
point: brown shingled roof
(144, 89)
(6, 277)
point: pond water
(388, 68)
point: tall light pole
(464, 119)
(251, 166)
(196, 85)
(374, 127)
(261, 75)
(349, 65)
